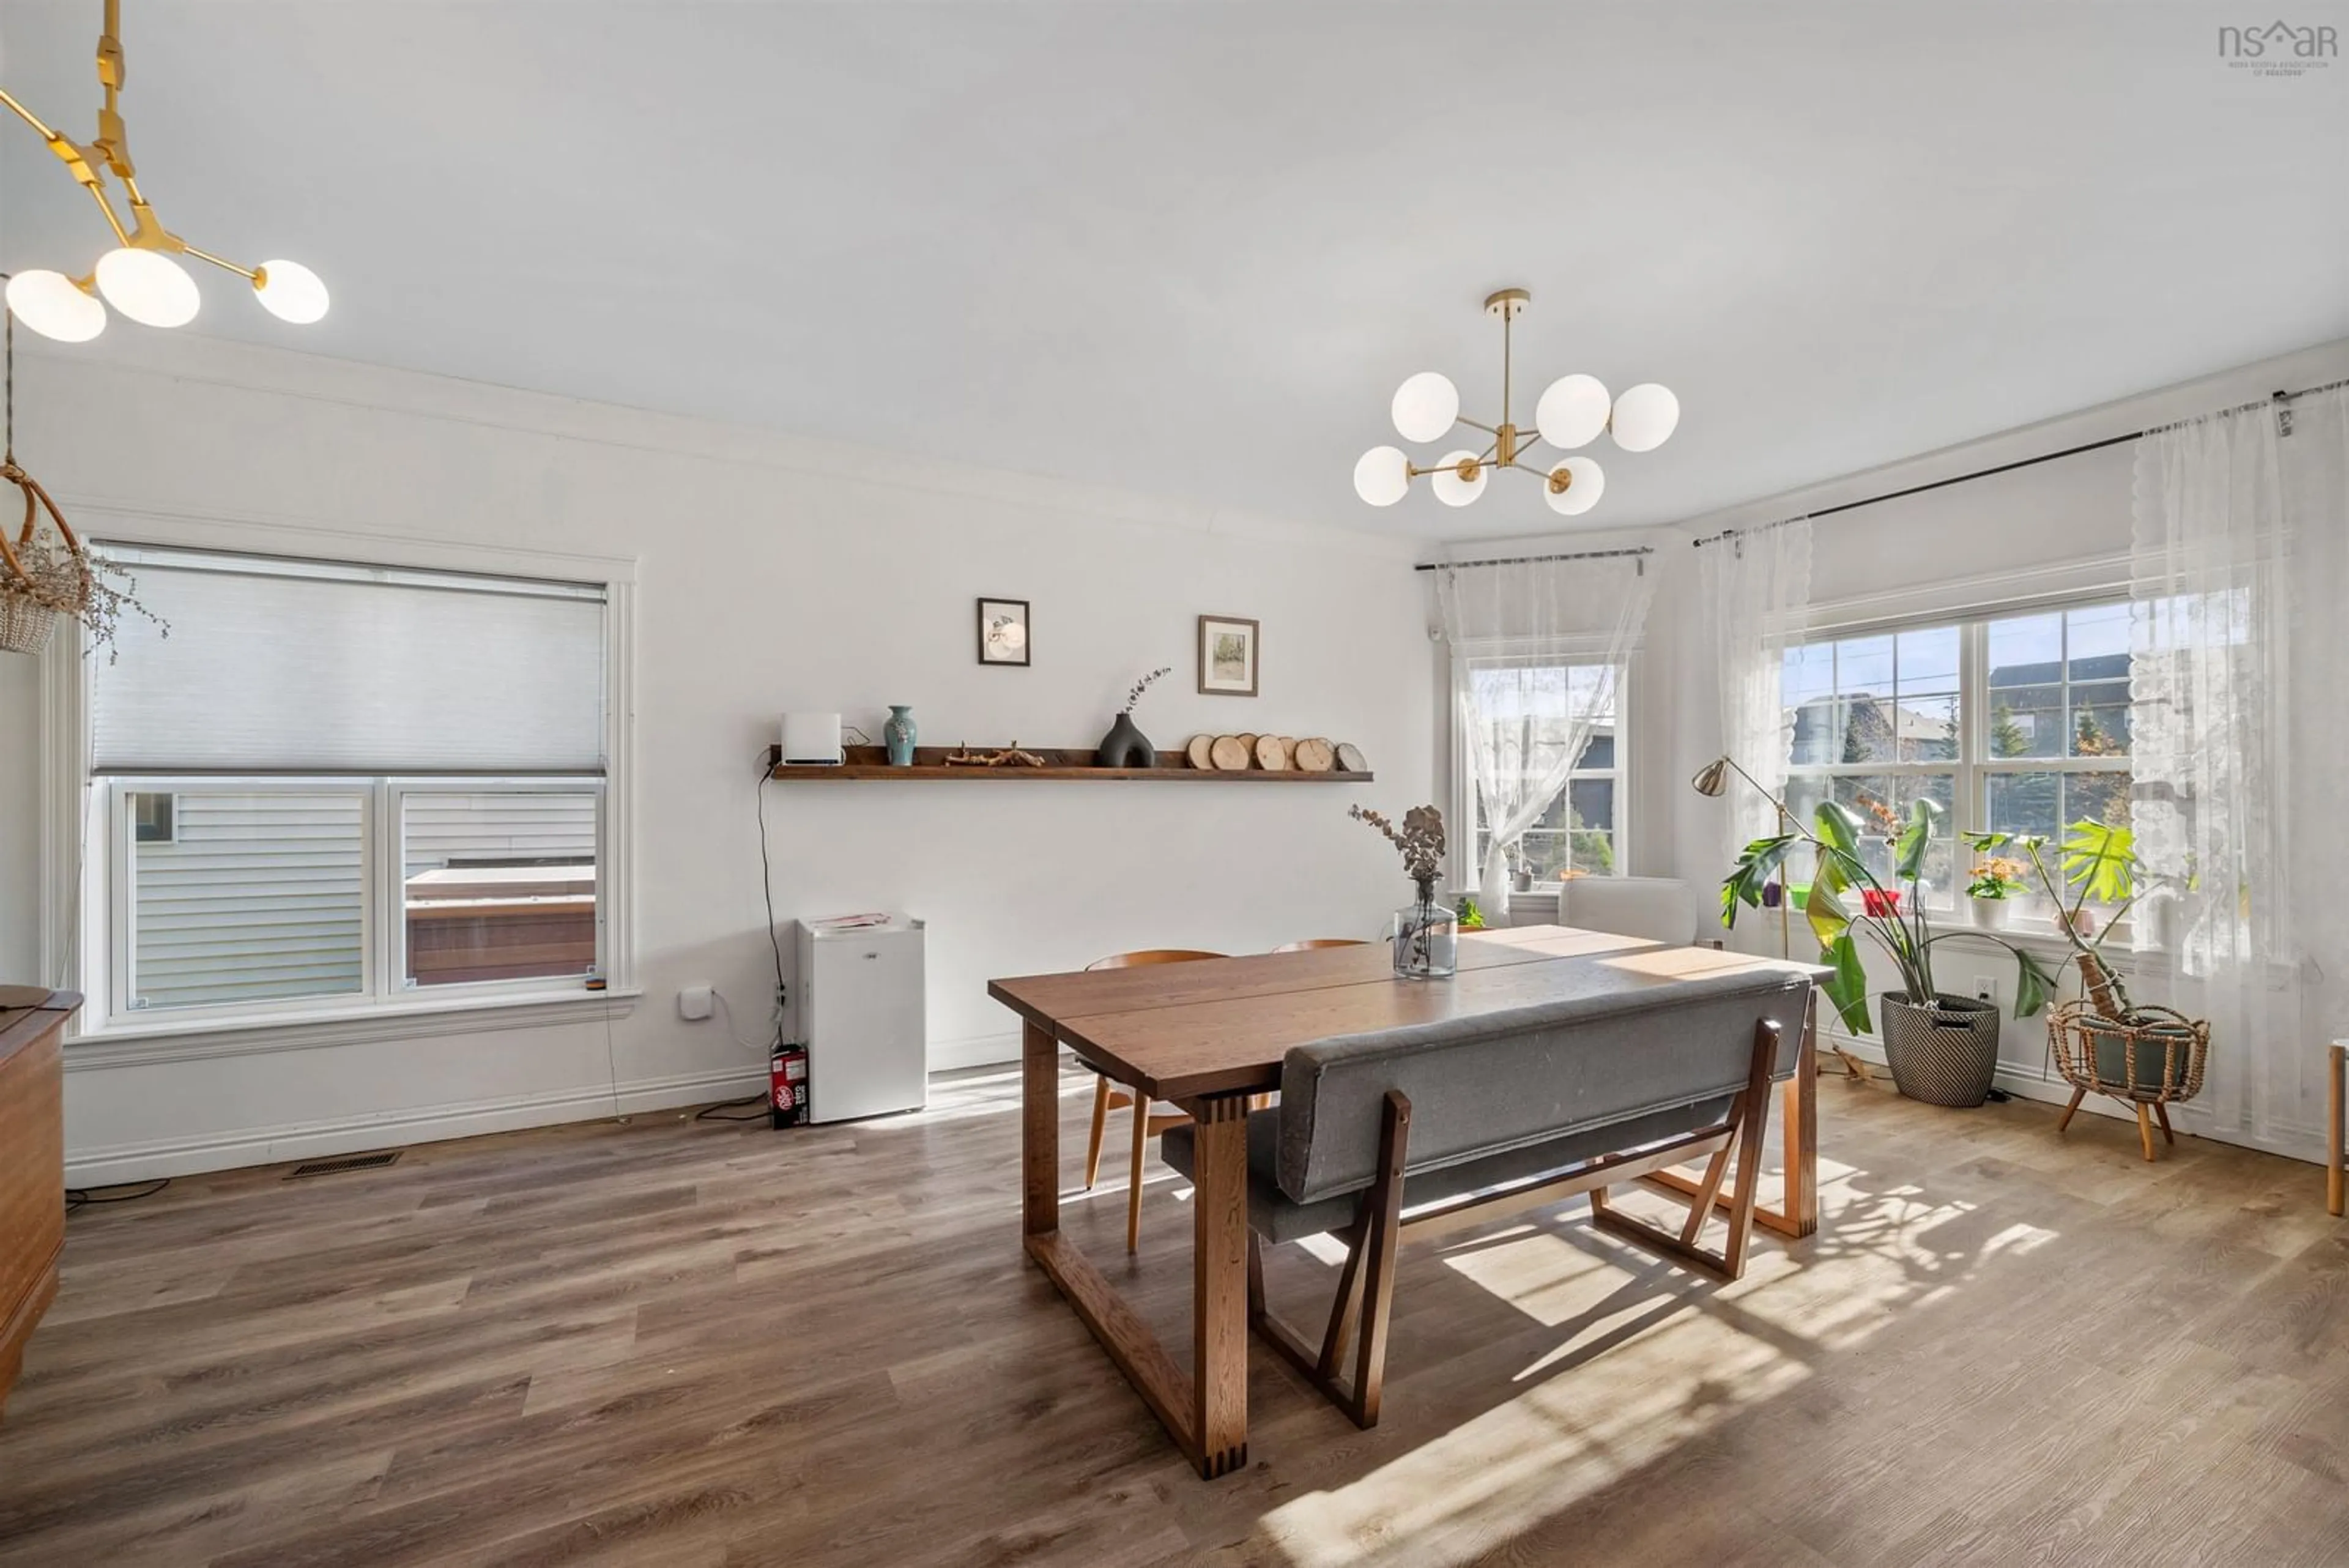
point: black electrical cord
(710, 1113)
(76, 1197)
(767, 875)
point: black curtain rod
(1528, 560)
(2011, 467)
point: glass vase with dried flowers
(1426, 934)
(1125, 746)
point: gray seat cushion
(1278, 1218)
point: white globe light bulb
(52, 305)
(291, 292)
(1382, 477)
(1585, 484)
(1426, 406)
(1453, 490)
(1572, 411)
(149, 286)
(1645, 417)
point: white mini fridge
(861, 1012)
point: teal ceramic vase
(899, 736)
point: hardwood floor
(691, 1343)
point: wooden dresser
(32, 1164)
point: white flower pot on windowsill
(1990, 914)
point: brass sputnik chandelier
(1572, 411)
(137, 278)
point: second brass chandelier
(1570, 414)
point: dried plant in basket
(44, 574)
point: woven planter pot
(1945, 1054)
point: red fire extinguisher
(787, 1087)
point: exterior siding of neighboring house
(259, 897)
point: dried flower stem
(1144, 685)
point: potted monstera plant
(1942, 1048)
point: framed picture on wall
(1227, 656)
(1003, 631)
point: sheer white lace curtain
(1515, 632)
(1756, 588)
(2240, 588)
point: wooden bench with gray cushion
(1408, 1129)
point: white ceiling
(1190, 248)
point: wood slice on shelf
(1350, 757)
(1228, 754)
(1249, 740)
(1269, 756)
(1288, 751)
(1201, 751)
(1316, 756)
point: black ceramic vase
(1126, 747)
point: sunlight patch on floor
(1639, 1367)
(1501, 1473)
(1539, 1273)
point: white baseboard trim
(106, 1166)
(2296, 1142)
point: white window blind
(278, 666)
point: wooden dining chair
(1147, 1124)
(1318, 943)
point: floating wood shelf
(870, 762)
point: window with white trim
(1583, 832)
(330, 786)
(2014, 723)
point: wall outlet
(694, 1003)
(1986, 987)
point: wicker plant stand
(2149, 1059)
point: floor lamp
(1712, 779)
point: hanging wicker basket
(39, 579)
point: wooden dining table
(1210, 1034)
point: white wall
(771, 574)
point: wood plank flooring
(703, 1345)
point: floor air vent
(336, 1166)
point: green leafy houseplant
(2146, 1057)
(2099, 864)
(1892, 918)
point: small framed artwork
(1227, 656)
(1003, 631)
